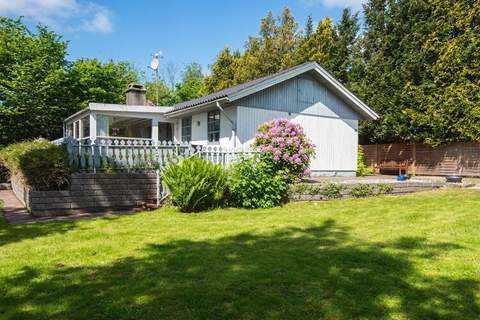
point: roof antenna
(154, 66)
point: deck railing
(114, 153)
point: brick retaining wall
(398, 188)
(89, 192)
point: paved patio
(375, 179)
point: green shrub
(384, 188)
(305, 188)
(362, 168)
(332, 190)
(195, 184)
(361, 190)
(255, 184)
(4, 173)
(44, 166)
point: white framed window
(187, 129)
(213, 126)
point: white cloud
(75, 15)
(353, 4)
(100, 22)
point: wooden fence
(106, 154)
(457, 158)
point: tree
(308, 27)
(395, 67)
(35, 93)
(170, 72)
(165, 95)
(94, 81)
(450, 99)
(286, 39)
(319, 46)
(344, 43)
(223, 72)
(269, 52)
(39, 87)
(192, 85)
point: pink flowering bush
(285, 145)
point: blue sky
(184, 30)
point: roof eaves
(189, 108)
(349, 95)
(76, 114)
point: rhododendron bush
(285, 145)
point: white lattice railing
(114, 153)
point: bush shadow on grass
(311, 273)
(11, 233)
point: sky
(183, 30)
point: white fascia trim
(346, 93)
(77, 115)
(127, 108)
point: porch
(144, 124)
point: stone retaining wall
(397, 188)
(89, 192)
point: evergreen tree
(222, 72)
(286, 39)
(319, 47)
(450, 99)
(308, 27)
(394, 65)
(345, 41)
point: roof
(92, 106)
(241, 90)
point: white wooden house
(306, 94)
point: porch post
(93, 126)
(155, 130)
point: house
(306, 94)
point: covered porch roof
(136, 120)
(122, 109)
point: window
(86, 127)
(69, 130)
(187, 129)
(165, 131)
(76, 130)
(213, 126)
(125, 127)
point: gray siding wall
(328, 121)
(199, 128)
(335, 139)
(302, 94)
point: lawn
(405, 257)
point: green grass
(408, 257)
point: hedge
(42, 165)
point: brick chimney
(136, 95)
